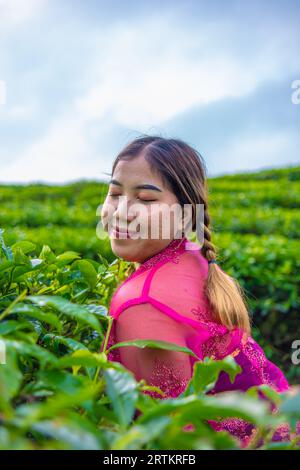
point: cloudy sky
(83, 78)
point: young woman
(178, 292)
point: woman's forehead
(134, 172)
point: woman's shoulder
(184, 268)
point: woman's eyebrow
(140, 186)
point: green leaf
(51, 339)
(206, 372)
(10, 376)
(28, 414)
(11, 326)
(59, 381)
(154, 344)
(66, 258)
(121, 388)
(139, 435)
(24, 245)
(32, 350)
(75, 311)
(83, 358)
(97, 309)
(6, 250)
(74, 437)
(21, 259)
(47, 254)
(32, 311)
(88, 271)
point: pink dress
(164, 300)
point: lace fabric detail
(201, 314)
(169, 253)
(204, 316)
(257, 357)
(168, 378)
(217, 346)
(258, 361)
(282, 433)
(221, 343)
(242, 430)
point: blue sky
(83, 78)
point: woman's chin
(126, 248)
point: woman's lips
(116, 231)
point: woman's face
(142, 210)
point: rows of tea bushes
(58, 391)
(226, 216)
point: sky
(81, 79)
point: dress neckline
(168, 253)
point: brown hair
(183, 170)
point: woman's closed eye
(147, 200)
(140, 199)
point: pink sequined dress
(164, 300)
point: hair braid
(208, 249)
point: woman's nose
(124, 213)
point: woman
(178, 292)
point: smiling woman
(178, 293)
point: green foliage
(58, 391)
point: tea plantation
(57, 391)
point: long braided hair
(183, 170)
